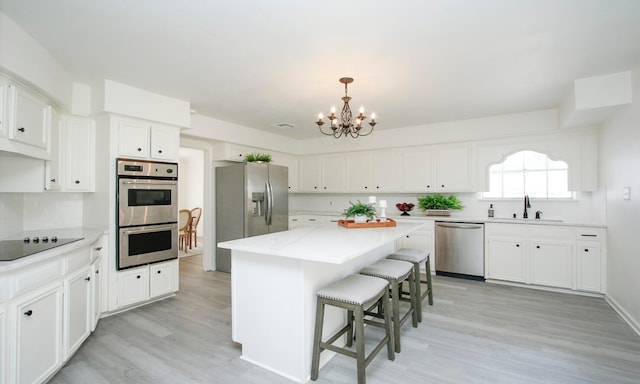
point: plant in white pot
(360, 212)
(438, 205)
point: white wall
(39, 211)
(619, 168)
(579, 211)
(191, 180)
(25, 58)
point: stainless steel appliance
(460, 249)
(251, 199)
(147, 212)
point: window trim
(574, 194)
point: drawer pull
(21, 129)
(586, 249)
(28, 313)
(588, 235)
(88, 278)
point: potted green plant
(439, 205)
(360, 212)
(258, 157)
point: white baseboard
(625, 316)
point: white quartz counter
(418, 216)
(326, 243)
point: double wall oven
(147, 201)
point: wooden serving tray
(368, 224)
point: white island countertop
(324, 243)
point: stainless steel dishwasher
(460, 249)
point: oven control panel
(141, 168)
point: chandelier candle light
(345, 125)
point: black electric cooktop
(15, 249)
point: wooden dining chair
(196, 214)
(184, 228)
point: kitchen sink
(520, 220)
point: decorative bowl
(405, 208)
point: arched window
(528, 173)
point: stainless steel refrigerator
(251, 199)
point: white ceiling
(259, 63)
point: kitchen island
(274, 279)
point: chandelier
(346, 125)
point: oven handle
(152, 182)
(150, 229)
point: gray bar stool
(395, 272)
(417, 257)
(354, 293)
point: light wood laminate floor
(474, 333)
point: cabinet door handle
(159, 272)
(28, 313)
(428, 186)
(139, 149)
(442, 185)
(53, 180)
(377, 187)
(98, 248)
(159, 150)
(365, 187)
(137, 277)
(21, 129)
(97, 271)
(88, 278)
(586, 249)
(537, 246)
(518, 245)
(77, 181)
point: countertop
(323, 243)
(419, 216)
(88, 237)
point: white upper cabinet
(333, 174)
(139, 139)
(387, 171)
(133, 139)
(79, 150)
(310, 176)
(3, 108)
(359, 172)
(438, 169)
(165, 142)
(72, 164)
(31, 118)
(453, 168)
(418, 170)
(291, 162)
(25, 120)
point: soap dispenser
(490, 210)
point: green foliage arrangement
(360, 208)
(253, 157)
(438, 201)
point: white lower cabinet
(551, 263)
(163, 278)
(96, 293)
(133, 286)
(47, 311)
(550, 256)
(140, 284)
(38, 335)
(77, 310)
(506, 259)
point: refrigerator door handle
(269, 204)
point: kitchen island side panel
(274, 303)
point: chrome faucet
(527, 204)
